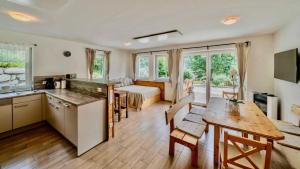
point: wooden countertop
(75, 98)
(72, 97)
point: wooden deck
(141, 142)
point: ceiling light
(144, 40)
(162, 37)
(22, 16)
(230, 20)
(127, 44)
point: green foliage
(98, 67)
(10, 58)
(188, 74)
(162, 67)
(11, 64)
(221, 80)
(221, 63)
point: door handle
(24, 105)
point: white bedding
(145, 91)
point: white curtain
(170, 65)
(134, 56)
(178, 84)
(90, 56)
(107, 63)
(242, 58)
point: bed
(142, 94)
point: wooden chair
(187, 132)
(234, 156)
(230, 95)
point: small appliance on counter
(63, 84)
(71, 76)
(50, 83)
(57, 84)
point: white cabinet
(5, 115)
(63, 117)
(71, 123)
(26, 110)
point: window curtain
(90, 56)
(170, 65)
(178, 90)
(242, 58)
(107, 62)
(134, 55)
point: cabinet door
(59, 118)
(71, 123)
(5, 118)
(50, 114)
(27, 113)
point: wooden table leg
(126, 105)
(216, 144)
(119, 109)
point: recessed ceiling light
(22, 16)
(127, 44)
(162, 37)
(144, 40)
(231, 20)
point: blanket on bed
(138, 94)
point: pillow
(118, 85)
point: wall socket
(99, 89)
(44, 82)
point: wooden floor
(141, 142)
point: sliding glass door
(195, 75)
(208, 73)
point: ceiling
(114, 22)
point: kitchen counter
(72, 97)
(64, 94)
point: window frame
(156, 56)
(138, 68)
(101, 54)
(28, 71)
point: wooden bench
(188, 131)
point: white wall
(261, 62)
(289, 93)
(49, 60)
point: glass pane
(143, 67)
(221, 65)
(15, 68)
(195, 75)
(162, 67)
(98, 67)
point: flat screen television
(286, 65)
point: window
(161, 67)
(98, 71)
(143, 63)
(15, 67)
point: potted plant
(234, 102)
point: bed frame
(153, 99)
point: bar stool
(118, 106)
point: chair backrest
(170, 114)
(230, 95)
(254, 147)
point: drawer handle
(24, 105)
(67, 105)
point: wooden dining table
(251, 120)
